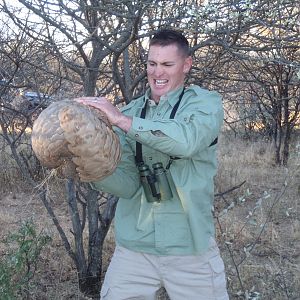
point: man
(164, 225)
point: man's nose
(159, 70)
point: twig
(232, 258)
(230, 190)
(222, 233)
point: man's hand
(113, 114)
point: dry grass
(258, 229)
(257, 225)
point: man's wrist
(124, 123)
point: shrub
(18, 265)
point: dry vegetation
(257, 224)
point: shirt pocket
(171, 230)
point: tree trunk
(286, 147)
(77, 228)
(90, 285)
(89, 82)
(287, 129)
(277, 144)
(89, 262)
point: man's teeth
(161, 82)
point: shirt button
(185, 119)
(158, 113)
(136, 135)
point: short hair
(166, 37)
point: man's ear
(187, 64)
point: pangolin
(77, 140)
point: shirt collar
(172, 97)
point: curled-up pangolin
(76, 140)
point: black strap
(214, 142)
(174, 110)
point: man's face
(166, 69)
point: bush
(19, 264)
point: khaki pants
(138, 276)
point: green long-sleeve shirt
(183, 224)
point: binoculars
(155, 184)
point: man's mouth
(160, 82)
